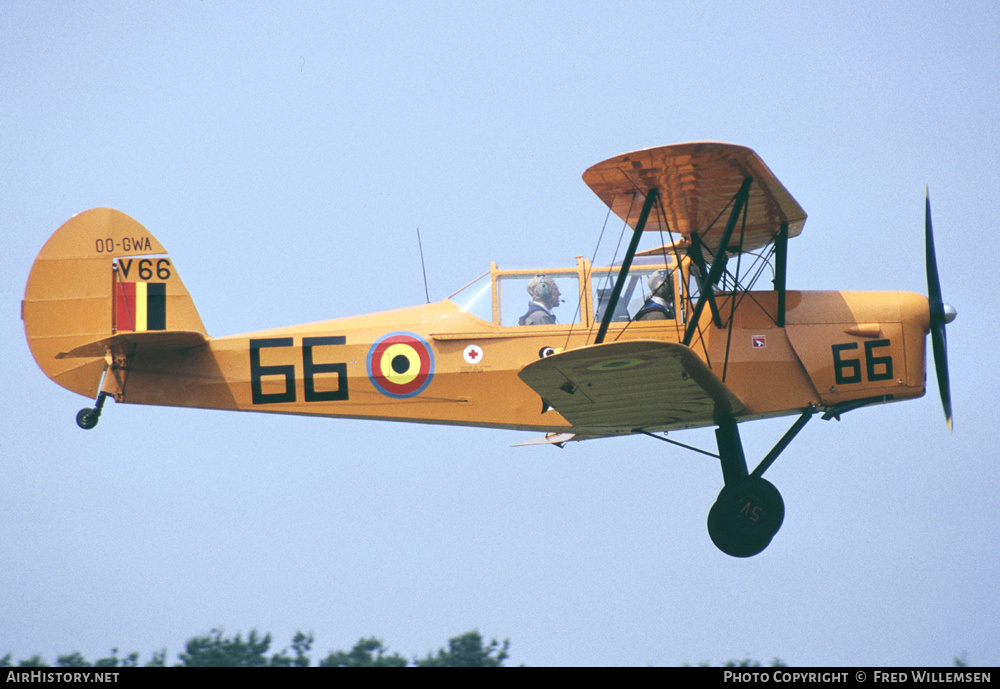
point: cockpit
(573, 296)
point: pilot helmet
(657, 280)
(540, 287)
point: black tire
(87, 418)
(746, 517)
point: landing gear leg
(749, 510)
(87, 418)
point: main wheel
(87, 418)
(745, 517)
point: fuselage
(442, 363)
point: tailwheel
(87, 418)
(745, 517)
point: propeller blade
(940, 342)
(940, 315)
(933, 283)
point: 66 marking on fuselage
(848, 370)
(310, 369)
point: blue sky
(285, 154)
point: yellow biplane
(669, 338)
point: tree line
(217, 650)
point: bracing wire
(589, 277)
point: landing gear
(87, 418)
(749, 510)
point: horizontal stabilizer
(149, 341)
(547, 439)
(560, 439)
(630, 386)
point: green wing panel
(637, 385)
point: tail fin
(100, 275)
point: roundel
(400, 364)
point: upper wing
(697, 182)
(624, 387)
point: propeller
(941, 315)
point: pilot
(660, 305)
(545, 295)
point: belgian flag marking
(140, 306)
(400, 364)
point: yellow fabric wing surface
(623, 387)
(697, 182)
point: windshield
(476, 297)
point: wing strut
(718, 262)
(697, 255)
(609, 310)
(781, 270)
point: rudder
(100, 274)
